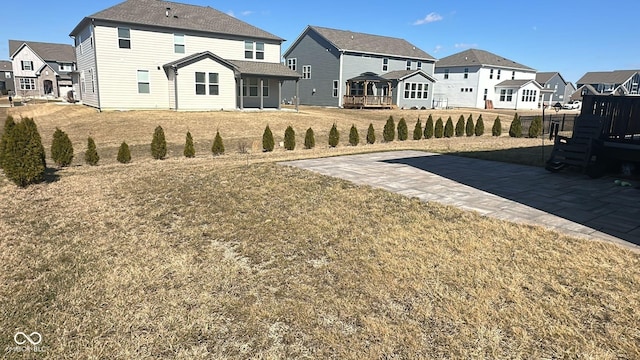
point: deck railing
(367, 101)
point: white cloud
(247, 12)
(437, 48)
(464, 46)
(432, 17)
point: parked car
(573, 105)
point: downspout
(95, 60)
(340, 96)
(175, 87)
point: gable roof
(238, 66)
(517, 83)
(46, 51)
(543, 77)
(193, 58)
(179, 16)
(607, 77)
(403, 74)
(6, 65)
(344, 40)
(477, 57)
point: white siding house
(153, 54)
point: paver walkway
(567, 201)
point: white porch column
(241, 93)
(261, 94)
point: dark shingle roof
(181, 16)
(476, 57)
(5, 65)
(371, 44)
(401, 74)
(607, 77)
(543, 77)
(47, 51)
(515, 83)
(264, 69)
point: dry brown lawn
(238, 257)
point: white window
(292, 64)
(466, 73)
(506, 95)
(124, 38)
(143, 82)
(385, 64)
(416, 90)
(486, 92)
(204, 82)
(306, 71)
(408, 64)
(91, 76)
(446, 73)
(178, 43)
(419, 65)
(491, 74)
(250, 46)
(498, 77)
(513, 75)
(214, 86)
(27, 65)
(335, 88)
(259, 51)
(248, 49)
(265, 87)
(27, 84)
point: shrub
(189, 149)
(23, 154)
(9, 124)
(515, 130)
(334, 136)
(91, 155)
(428, 128)
(61, 148)
(309, 139)
(267, 140)
(459, 126)
(439, 129)
(158, 144)
(389, 131)
(354, 138)
(448, 128)
(371, 134)
(218, 146)
(417, 130)
(536, 127)
(403, 130)
(479, 130)
(289, 138)
(470, 127)
(124, 155)
(496, 130)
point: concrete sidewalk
(568, 202)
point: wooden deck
(367, 101)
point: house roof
(5, 65)
(403, 74)
(264, 69)
(517, 83)
(607, 77)
(369, 76)
(190, 59)
(46, 51)
(477, 57)
(544, 77)
(179, 16)
(345, 40)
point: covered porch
(368, 91)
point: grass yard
(238, 257)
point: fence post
(563, 117)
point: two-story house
(6, 78)
(558, 90)
(154, 54)
(617, 82)
(42, 69)
(479, 79)
(352, 69)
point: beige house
(153, 54)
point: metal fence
(564, 122)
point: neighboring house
(6, 78)
(618, 82)
(153, 54)
(42, 69)
(561, 89)
(351, 69)
(479, 79)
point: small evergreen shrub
(158, 144)
(61, 148)
(32, 131)
(439, 129)
(428, 128)
(9, 124)
(479, 130)
(448, 128)
(124, 155)
(470, 127)
(371, 134)
(334, 136)
(496, 130)
(267, 140)
(417, 130)
(91, 155)
(459, 126)
(189, 149)
(536, 127)
(515, 130)
(24, 154)
(289, 138)
(389, 131)
(354, 138)
(403, 130)
(218, 146)
(309, 139)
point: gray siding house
(350, 69)
(6, 78)
(618, 82)
(561, 89)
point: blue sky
(569, 36)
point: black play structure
(605, 136)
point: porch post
(261, 94)
(297, 94)
(279, 93)
(241, 93)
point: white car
(573, 105)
